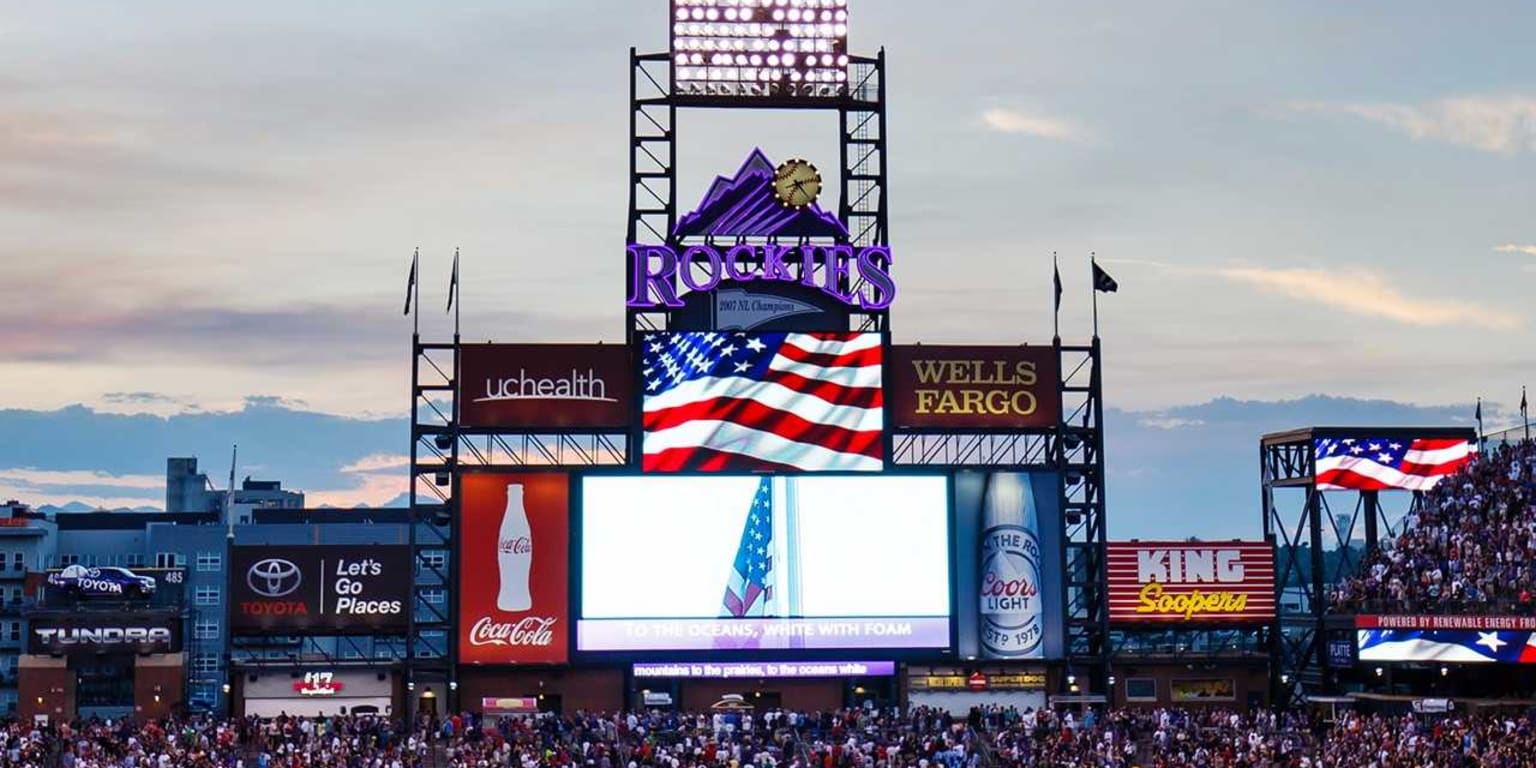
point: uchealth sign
(970, 387)
(144, 632)
(545, 386)
(323, 589)
(1187, 582)
(513, 587)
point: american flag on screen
(762, 402)
(749, 590)
(1379, 464)
(1455, 645)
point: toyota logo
(273, 577)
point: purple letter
(710, 255)
(875, 269)
(645, 280)
(808, 265)
(734, 257)
(839, 258)
(773, 263)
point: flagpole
(1479, 414)
(1525, 415)
(414, 293)
(792, 554)
(1093, 261)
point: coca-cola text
(530, 631)
(521, 545)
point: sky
(207, 210)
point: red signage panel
(514, 545)
(950, 387)
(1191, 582)
(545, 386)
(1492, 623)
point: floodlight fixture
(760, 48)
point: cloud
(378, 461)
(1503, 124)
(374, 490)
(1020, 123)
(139, 398)
(1529, 250)
(1366, 293)
(43, 478)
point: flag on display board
(1102, 281)
(1379, 464)
(762, 402)
(748, 588)
(1456, 645)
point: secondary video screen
(762, 402)
(695, 563)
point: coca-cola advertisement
(513, 586)
(1009, 528)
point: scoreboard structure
(758, 339)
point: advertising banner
(1477, 623)
(136, 632)
(764, 563)
(765, 669)
(952, 387)
(1006, 525)
(280, 589)
(1191, 582)
(513, 547)
(545, 386)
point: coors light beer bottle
(514, 554)
(1010, 568)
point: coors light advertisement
(513, 586)
(1011, 610)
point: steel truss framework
(1300, 520)
(430, 649)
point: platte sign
(1185, 582)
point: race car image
(82, 581)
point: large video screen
(1463, 646)
(762, 402)
(1386, 464)
(721, 563)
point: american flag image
(1379, 464)
(1465, 646)
(749, 587)
(762, 402)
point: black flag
(410, 283)
(453, 282)
(1478, 414)
(1056, 275)
(1102, 281)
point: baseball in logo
(513, 593)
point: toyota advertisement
(142, 632)
(764, 563)
(357, 589)
(545, 386)
(514, 546)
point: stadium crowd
(1470, 547)
(921, 738)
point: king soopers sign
(657, 270)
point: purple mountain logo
(745, 206)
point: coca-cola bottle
(1010, 568)
(514, 554)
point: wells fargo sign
(950, 387)
(1191, 582)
